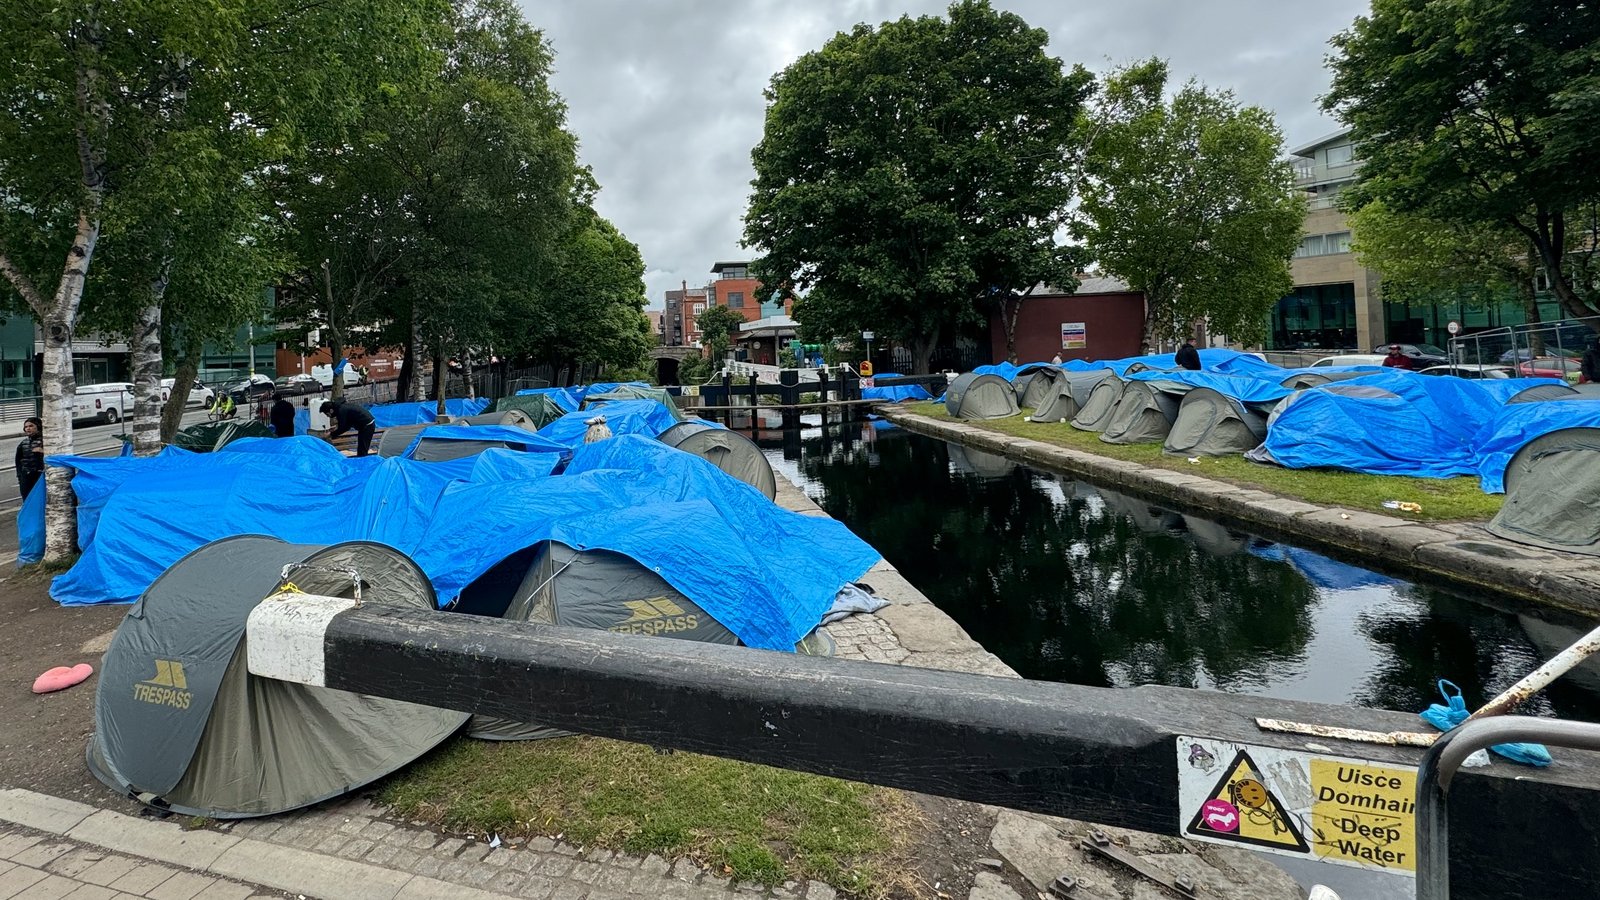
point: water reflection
(1068, 582)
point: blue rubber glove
(1454, 712)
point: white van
(108, 403)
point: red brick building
(1101, 320)
(381, 366)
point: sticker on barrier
(1348, 812)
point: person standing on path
(1188, 357)
(347, 416)
(1591, 363)
(30, 455)
(283, 418)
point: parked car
(1551, 367)
(107, 403)
(254, 389)
(1349, 359)
(1422, 356)
(1474, 372)
(199, 394)
(294, 385)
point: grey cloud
(666, 97)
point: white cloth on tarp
(850, 600)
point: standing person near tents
(283, 418)
(1055, 360)
(1591, 363)
(1397, 360)
(30, 455)
(1188, 357)
(348, 416)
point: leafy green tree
(717, 326)
(1481, 113)
(1423, 260)
(106, 103)
(1191, 202)
(913, 172)
(439, 220)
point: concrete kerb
(1461, 555)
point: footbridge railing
(1172, 761)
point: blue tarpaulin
(1416, 425)
(646, 417)
(1244, 388)
(767, 574)
(1226, 362)
(1520, 423)
(508, 434)
(567, 398)
(422, 412)
(896, 393)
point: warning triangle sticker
(1242, 808)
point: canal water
(1065, 581)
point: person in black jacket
(1188, 356)
(347, 416)
(1591, 363)
(283, 418)
(30, 455)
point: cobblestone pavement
(35, 865)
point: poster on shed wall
(1074, 336)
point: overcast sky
(666, 96)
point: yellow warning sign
(1364, 814)
(1242, 808)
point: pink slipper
(60, 678)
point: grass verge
(1441, 499)
(747, 822)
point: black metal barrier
(1112, 756)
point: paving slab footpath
(1464, 555)
(349, 848)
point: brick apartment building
(732, 287)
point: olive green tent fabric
(727, 450)
(181, 724)
(1302, 380)
(1211, 424)
(1058, 405)
(1553, 493)
(206, 437)
(541, 410)
(974, 396)
(985, 465)
(1144, 414)
(1094, 411)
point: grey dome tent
(1144, 413)
(1551, 485)
(1540, 393)
(729, 451)
(509, 417)
(1067, 395)
(1302, 380)
(1588, 389)
(182, 725)
(1094, 412)
(598, 589)
(442, 449)
(1210, 423)
(975, 396)
(540, 408)
(1035, 383)
(635, 392)
(394, 440)
(983, 464)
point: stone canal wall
(1463, 555)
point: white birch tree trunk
(146, 353)
(59, 387)
(415, 392)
